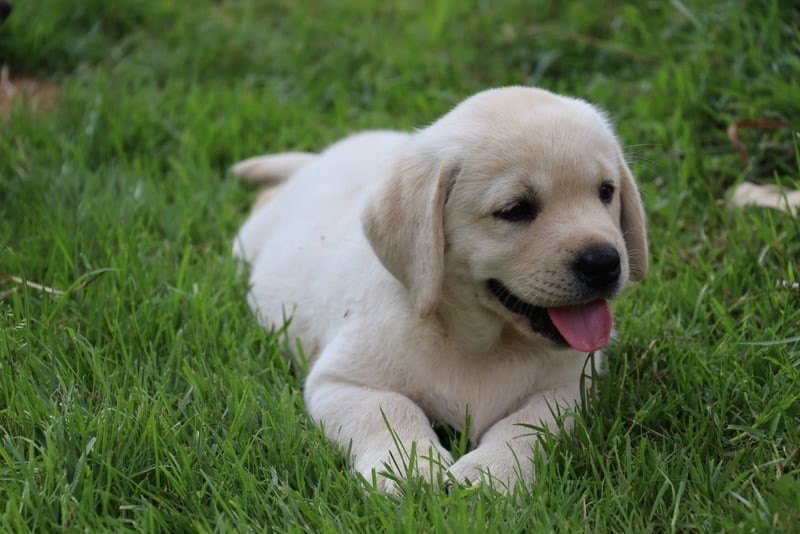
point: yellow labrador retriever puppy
(461, 271)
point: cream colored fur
(379, 250)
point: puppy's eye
(606, 192)
(519, 211)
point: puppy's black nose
(598, 266)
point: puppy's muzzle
(598, 267)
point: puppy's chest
(482, 389)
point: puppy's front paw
(384, 469)
(496, 465)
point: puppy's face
(542, 222)
(533, 226)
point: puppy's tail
(272, 168)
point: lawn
(137, 391)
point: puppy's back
(306, 249)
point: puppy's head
(516, 205)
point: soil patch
(37, 93)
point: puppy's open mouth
(584, 327)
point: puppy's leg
(505, 451)
(384, 430)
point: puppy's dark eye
(606, 192)
(519, 211)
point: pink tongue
(586, 327)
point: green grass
(146, 397)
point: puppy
(458, 273)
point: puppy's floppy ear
(633, 223)
(404, 223)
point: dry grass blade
(10, 278)
(607, 46)
(5, 294)
(33, 285)
(768, 196)
(733, 132)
